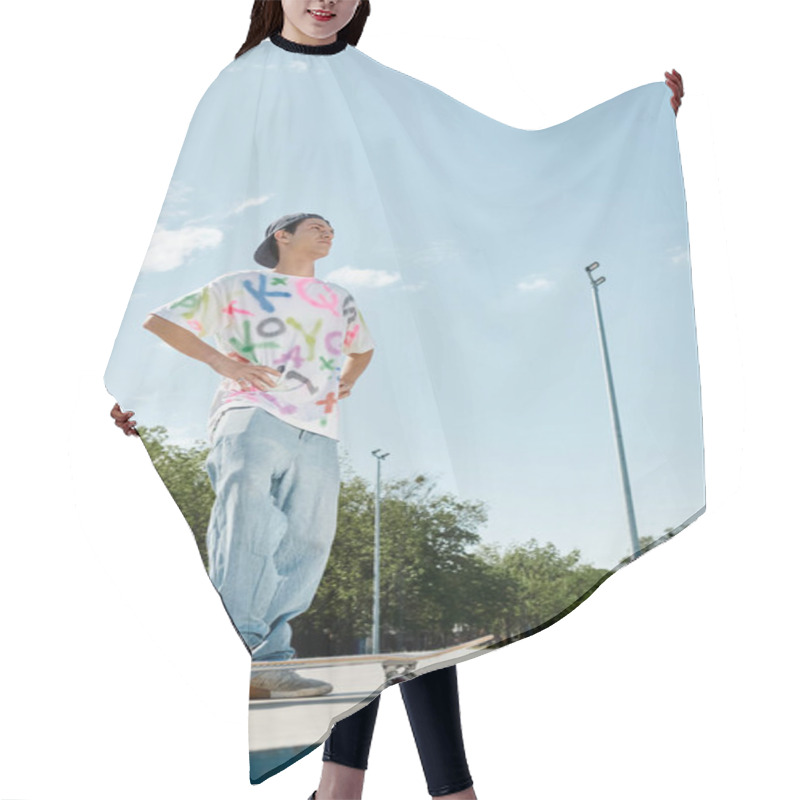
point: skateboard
(397, 667)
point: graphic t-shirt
(302, 326)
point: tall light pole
(623, 466)
(376, 599)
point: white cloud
(370, 278)
(535, 283)
(245, 204)
(678, 254)
(253, 201)
(169, 249)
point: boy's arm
(184, 341)
(246, 374)
(354, 365)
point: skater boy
(289, 348)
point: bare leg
(339, 782)
(346, 783)
(346, 754)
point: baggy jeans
(272, 524)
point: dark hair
(266, 18)
(290, 228)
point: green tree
(543, 582)
(426, 552)
(341, 611)
(427, 571)
(440, 583)
(648, 541)
(183, 472)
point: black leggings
(432, 706)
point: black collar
(309, 49)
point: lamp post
(376, 599)
(623, 466)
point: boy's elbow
(150, 322)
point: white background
(121, 675)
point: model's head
(308, 236)
(306, 21)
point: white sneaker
(279, 683)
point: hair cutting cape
(526, 425)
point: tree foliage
(440, 582)
(183, 471)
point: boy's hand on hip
(245, 373)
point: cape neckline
(308, 49)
